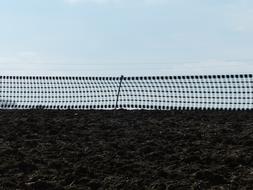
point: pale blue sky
(130, 37)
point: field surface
(129, 150)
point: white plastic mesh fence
(145, 92)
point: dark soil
(128, 150)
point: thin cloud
(73, 2)
(100, 2)
(240, 16)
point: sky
(126, 37)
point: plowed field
(69, 150)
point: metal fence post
(117, 99)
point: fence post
(1, 103)
(117, 100)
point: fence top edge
(77, 76)
(148, 77)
